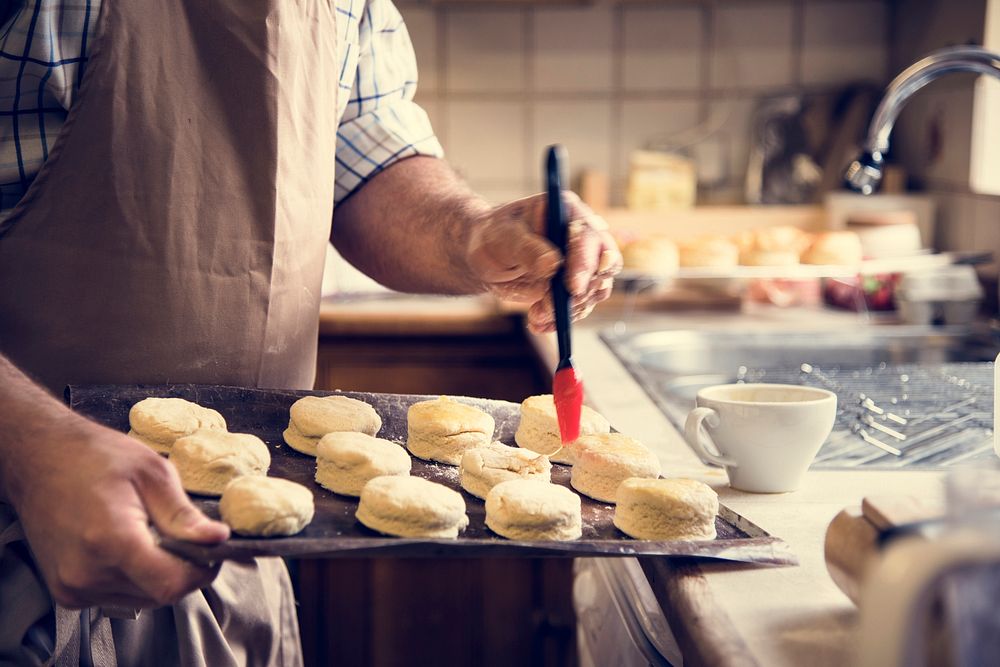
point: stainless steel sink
(915, 375)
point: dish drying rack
(900, 415)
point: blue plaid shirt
(44, 48)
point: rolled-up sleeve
(381, 124)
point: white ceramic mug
(764, 435)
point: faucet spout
(865, 173)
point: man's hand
(85, 496)
(509, 253)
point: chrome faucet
(865, 173)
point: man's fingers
(509, 252)
(171, 510)
(162, 577)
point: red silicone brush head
(567, 391)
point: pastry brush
(567, 388)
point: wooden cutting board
(852, 538)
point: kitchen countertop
(736, 615)
(721, 614)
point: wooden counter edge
(379, 317)
(704, 632)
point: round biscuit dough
(411, 507)
(604, 461)
(208, 459)
(345, 461)
(443, 429)
(533, 509)
(312, 417)
(266, 506)
(666, 509)
(158, 422)
(538, 429)
(482, 468)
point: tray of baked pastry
(436, 503)
(781, 252)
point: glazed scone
(655, 255)
(345, 461)
(605, 461)
(709, 252)
(411, 507)
(443, 429)
(482, 468)
(842, 247)
(158, 422)
(533, 509)
(208, 459)
(538, 429)
(666, 509)
(266, 506)
(312, 417)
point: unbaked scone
(482, 468)
(266, 506)
(312, 417)
(411, 507)
(666, 509)
(442, 429)
(538, 429)
(345, 461)
(208, 459)
(158, 422)
(605, 461)
(533, 509)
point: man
(175, 232)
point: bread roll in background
(773, 246)
(709, 252)
(652, 255)
(838, 247)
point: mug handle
(899, 587)
(693, 431)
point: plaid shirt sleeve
(381, 123)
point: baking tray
(334, 532)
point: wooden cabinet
(439, 612)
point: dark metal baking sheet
(334, 532)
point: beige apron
(176, 233)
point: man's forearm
(408, 226)
(28, 412)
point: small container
(951, 293)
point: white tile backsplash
(485, 50)
(844, 42)
(500, 81)
(572, 49)
(486, 140)
(662, 48)
(752, 47)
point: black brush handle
(556, 229)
